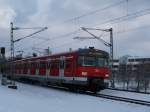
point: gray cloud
(52, 13)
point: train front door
(61, 67)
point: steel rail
(123, 99)
(133, 91)
(111, 97)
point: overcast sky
(55, 14)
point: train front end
(93, 65)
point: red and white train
(85, 69)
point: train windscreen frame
(92, 61)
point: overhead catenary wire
(27, 28)
(31, 34)
(126, 17)
(60, 36)
(86, 14)
(95, 11)
(118, 32)
(115, 20)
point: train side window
(42, 64)
(54, 65)
(29, 64)
(25, 65)
(15, 66)
(18, 66)
(21, 66)
(57, 65)
(37, 65)
(32, 64)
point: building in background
(131, 62)
(132, 72)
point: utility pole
(13, 86)
(111, 58)
(12, 41)
(111, 44)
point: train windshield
(92, 61)
(102, 62)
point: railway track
(111, 97)
(127, 90)
(123, 99)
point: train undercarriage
(91, 84)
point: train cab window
(87, 61)
(102, 62)
(92, 61)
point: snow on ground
(139, 96)
(30, 98)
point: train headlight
(106, 75)
(84, 73)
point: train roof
(79, 51)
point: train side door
(48, 68)
(37, 67)
(61, 67)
